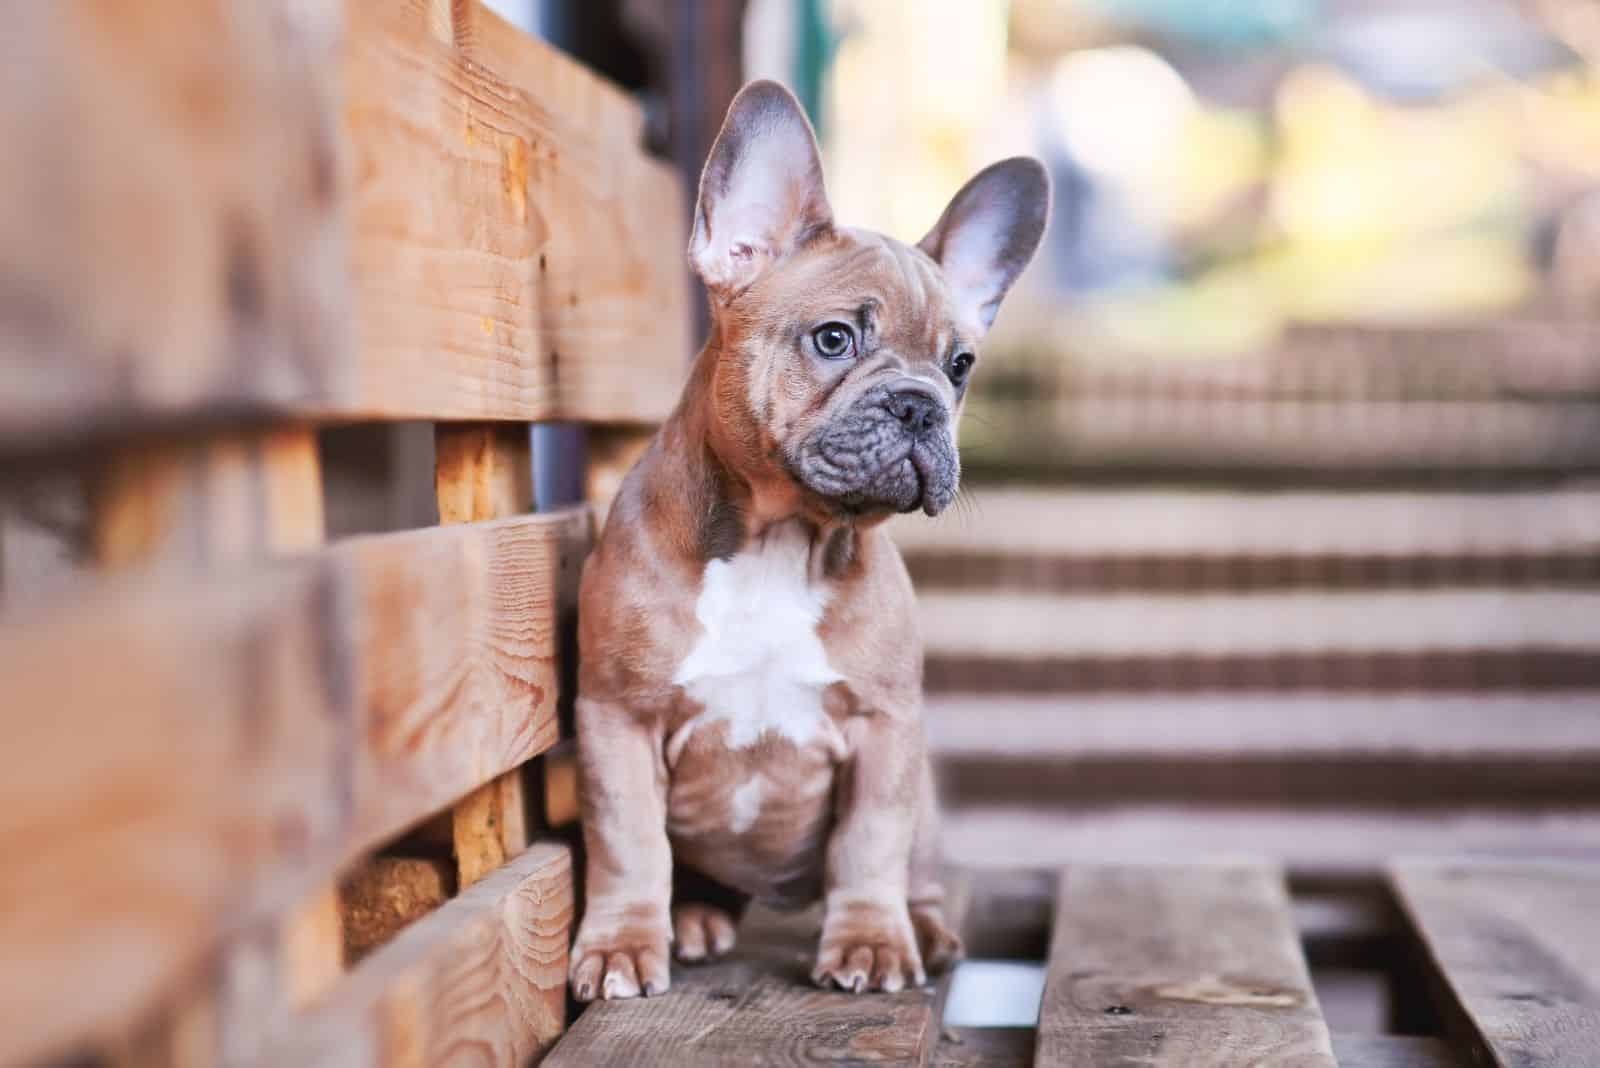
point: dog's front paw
(868, 946)
(704, 932)
(621, 953)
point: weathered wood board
(225, 749)
(1182, 966)
(1516, 950)
(480, 980)
(759, 998)
(401, 210)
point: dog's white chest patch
(758, 664)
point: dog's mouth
(862, 470)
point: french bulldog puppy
(750, 692)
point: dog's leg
(868, 942)
(941, 946)
(621, 949)
(705, 915)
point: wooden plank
(205, 504)
(1393, 1051)
(1183, 966)
(558, 774)
(480, 235)
(1435, 750)
(459, 656)
(1516, 950)
(264, 734)
(484, 471)
(387, 894)
(481, 979)
(170, 232)
(489, 826)
(759, 1001)
(515, 254)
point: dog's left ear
(761, 194)
(989, 233)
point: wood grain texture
(558, 775)
(193, 231)
(488, 826)
(1393, 1051)
(171, 241)
(1182, 966)
(207, 502)
(459, 654)
(200, 506)
(225, 749)
(481, 981)
(386, 894)
(484, 471)
(1516, 950)
(759, 1002)
(515, 254)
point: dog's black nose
(921, 413)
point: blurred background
(1280, 527)
(1280, 531)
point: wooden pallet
(270, 796)
(1182, 965)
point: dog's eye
(961, 366)
(834, 341)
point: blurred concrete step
(1333, 841)
(1369, 641)
(1095, 525)
(1427, 751)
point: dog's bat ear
(761, 194)
(989, 232)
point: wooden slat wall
(171, 234)
(225, 750)
(481, 980)
(454, 222)
(516, 255)
(222, 223)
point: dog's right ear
(761, 194)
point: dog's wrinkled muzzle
(869, 460)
